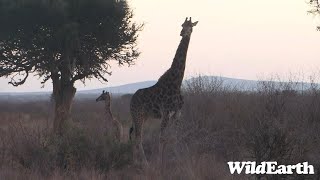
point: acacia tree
(65, 41)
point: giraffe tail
(130, 133)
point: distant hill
(240, 84)
(133, 87)
(123, 89)
(36, 96)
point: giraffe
(162, 100)
(113, 126)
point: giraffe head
(105, 96)
(187, 27)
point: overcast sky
(247, 39)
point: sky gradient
(247, 39)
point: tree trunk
(63, 90)
(63, 97)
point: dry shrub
(75, 151)
(276, 121)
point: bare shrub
(74, 151)
(278, 121)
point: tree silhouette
(65, 41)
(315, 8)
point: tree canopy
(65, 39)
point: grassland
(218, 124)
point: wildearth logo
(270, 168)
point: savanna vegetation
(67, 41)
(219, 123)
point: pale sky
(246, 39)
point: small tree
(65, 41)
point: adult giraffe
(164, 99)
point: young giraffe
(164, 99)
(114, 127)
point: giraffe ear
(195, 23)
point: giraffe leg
(162, 139)
(138, 154)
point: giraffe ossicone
(162, 100)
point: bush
(74, 151)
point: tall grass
(275, 122)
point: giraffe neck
(108, 111)
(179, 60)
(174, 75)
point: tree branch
(20, 82)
